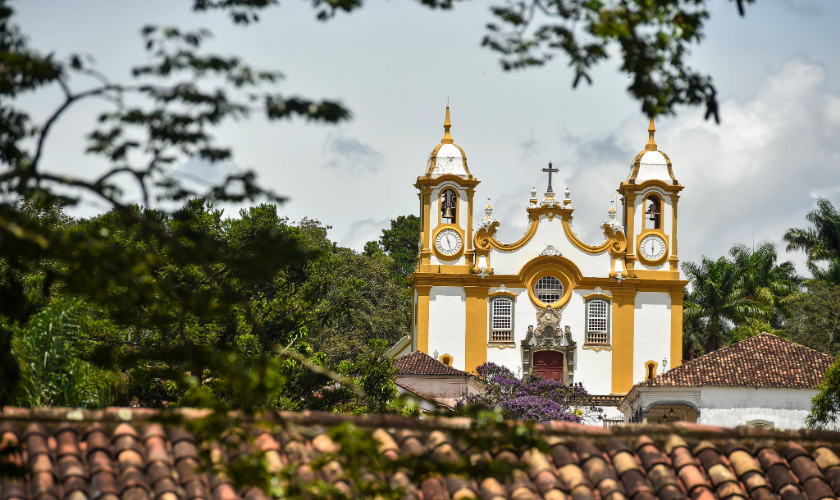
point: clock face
(448, 242)
(652, 247)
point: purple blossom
(532, 398)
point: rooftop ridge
(686, 430)
(730, 366)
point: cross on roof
(550, 171)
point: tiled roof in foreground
(420, 363)
(119, 454)
(761, 361)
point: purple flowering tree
(532, 398)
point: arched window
(446, 359)
(448, 206)
(597, 322)
(501, 320)
(653, 214)
(548, 289)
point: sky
(395, 64)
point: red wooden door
(549, 364)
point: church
(606, 315)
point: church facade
(606, 315)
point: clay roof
(121, 454)
(420, 363)
(761, 361)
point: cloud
(348, 154)
(360, 232)
(750, 178)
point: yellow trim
(425, 252)
(648, 365)
(476, 328)
(674, 259)
(623, 314)
(616, 242)
(442, 269)
(440, 255)
(629, 219)
(647, 274)
(502, 293)
(627, 187)
(447, 355)
(641, 257)
(469, 242)
(485, 240)
(559, 267)
(655, 281)
(596, 347)
(430, 182)
(676, 328)
(423, 317)
(593, 296)
(501, 345)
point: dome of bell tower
(651, 164)
(447, 157)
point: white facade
(463, 270)
(779, 408)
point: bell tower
(446, 209)
(650, 195)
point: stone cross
(550, 171)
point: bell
(653, 212)
(447, 213)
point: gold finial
(651, 145)
(447, 139)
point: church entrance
(549, 364)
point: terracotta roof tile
(104, 458)
(420, 363)
(761, 361)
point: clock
(448, 242)
(652, 247)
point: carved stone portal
(548, 336)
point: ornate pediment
(549, 336)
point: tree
(764, 281)
(53, 354)
(821, 242)
(815, 317)
(532, 398)
(717, 300)
(401, 243)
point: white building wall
(551, 232)
(651, 332)
(593, 369)
(447, 323)
(524, 314)
(734, 406)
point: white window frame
(598, 332)
(493, 338)
(538, 290)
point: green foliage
(717, 301)
(815, 317)
(53, 353)
(820, 242)
(401, 243)
(825, 407)
(731, 300)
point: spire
(447, 139)
(651, 145)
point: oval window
(548, 289)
